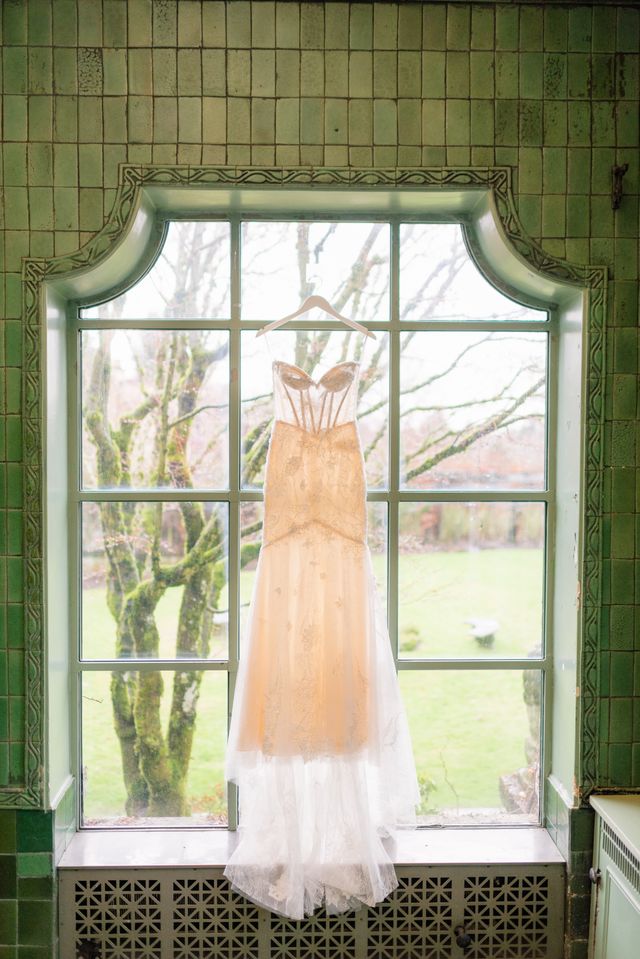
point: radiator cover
(510, 912)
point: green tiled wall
(550, 89)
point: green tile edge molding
(593, 279)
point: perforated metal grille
(122, 915)
(507, 916)
(415, 922)
(208, 919)
(509, 912)
(621, 855)
(321, 936)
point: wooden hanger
(322, 304)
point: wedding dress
(319, 744)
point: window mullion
(394, 440)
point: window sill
(211, 848)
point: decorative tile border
(132, 179)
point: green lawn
(468, 728)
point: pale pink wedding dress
(319, 744)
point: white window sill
(210, 848)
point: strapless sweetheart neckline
(298, 369)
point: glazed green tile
(8, 921)
(530, 73)
(621, 682)
(385, 74)
(213, 72)
(114, 23)
(288, 120)
(214, 120)
(361, 26)
(139, 71)
(482, 129)
(554, 123)
(238, 73)
(190, 72)
(530, 210)
(360, 123)
(360, 74)
(164, 24)
(40, 70)
(8, 878)
(311, 73)
(42, 888)
(555, 28)
(530, 170)
(288, 72)
(14, 439)
(531, 28)
(14, 482)
(16, 207)
(434, 26)
(555, 76)
(336, 120)
(15, 164)
(337, 73)
(312, 25)
(433, 74)
(554, 170)
(627, 134)
(579, 123)
(627, 30)
(482, 74)
(34, 832)
(65, 127)
(506, 76)
(620, 720)
(385, 122)
(15, 657)
(409, 121)
(190, 24)
(39, 23)
(457, 122)
(138, 23)
(15, 626)
(409, 26)
(602, 85)
(507, 28)
(89, 164)
(14, 70)
(14, 22)
(214, 27)
(622, 538)
(14, 517)
(311, 121)
(506, 122)
(409, 155)
(457, 74)
(458, 26)
(409, 77)
(4, 728)
(65, 164)
(602, 159)
(385, 26)
(530, 122)
(626, 258)
(578, 75)
(433, 123)
(35, 922)
(604, 29)
(288, 26)
(115, 120)
(90, 209)
(603, 122)
(4, 668)
(14, 117)
(238, 121)
(7, 831)
(625, 398)
(65, 71)
(140, 119)
(482, 27)
(578, 216)
(17, 717)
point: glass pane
(315, 352)
(189, 280)
(251, 517)
(133, 607)
(165, 765)
(377, 538)
(472, 410)
(155, 409)
(470, 580)
(347, 263)
(476, 742)
(439, 280)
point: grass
(468, 728)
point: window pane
(251, 518)
(347, 263)
(130, 609)
(472, 410)
(189, 280)
(315, 352)
(471, 580)
(439, 280)
(172, 742)
(377, 539)
(476, 742)
(155, 409)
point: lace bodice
(315, 405)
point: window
(172, 415)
